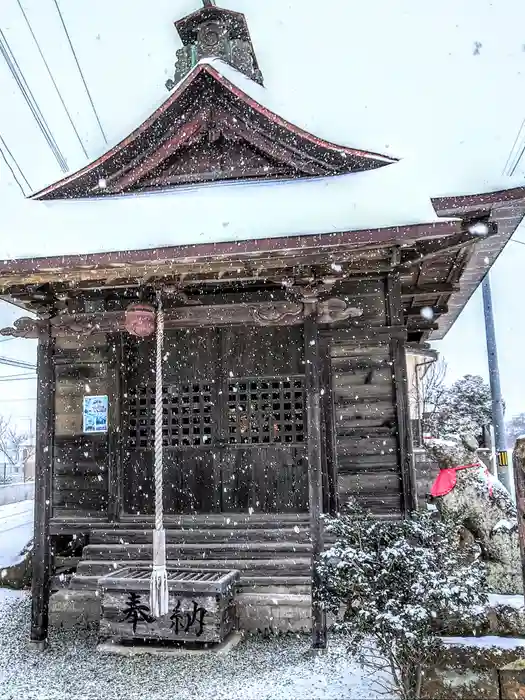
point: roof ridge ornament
(213, 32)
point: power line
(6, 147)
(80, 70)
(513, 240)
(516, 140)
(19, 77)
(11, 362)
(32, 398)
(513, 170)
(52, 78)
(10, 166)
(16, 377)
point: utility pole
(495, 388)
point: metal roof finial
(209, 3)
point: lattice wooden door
(234, 433)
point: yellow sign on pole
(503, 458)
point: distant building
(18, 463)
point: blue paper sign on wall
(95, 414)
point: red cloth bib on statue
(446, 479)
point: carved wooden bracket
(24, 327)
(283, 313)
(88, 324)
(279, 313)
(334, 309)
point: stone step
(207, 550)
(95, 567)
(254, 572)
(269, 613)
(260, 611)
(189, 535)
(300, 566)
(274, 584)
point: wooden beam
(398, 359)
(360, 334)
(428, 290)
(425, 250)
(116, 433)
(45, 416)
(415, 324)
(331, 496)
(313, 363)
(164, 151)
(417, 311)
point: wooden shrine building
(284, 376)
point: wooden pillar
(45, 421)
(329, 449)
(404, 433)
(315, 471)
(115, 473)
(518, 458)
(398, 358)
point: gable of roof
(209, 129)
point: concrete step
(254, 572)
(300, 566)
(266, 612)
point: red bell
(140, 320)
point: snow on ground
(16, 531)
(487, 642)
(24, 509)
(258, 669)
(508, 601)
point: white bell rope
(159, 576)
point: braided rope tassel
(159, 577)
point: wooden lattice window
(266, 410)
(187, 416)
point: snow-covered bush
(388, 581)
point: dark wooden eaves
(209, 130)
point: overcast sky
(440, 81)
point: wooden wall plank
(366, 414)
(263, 351)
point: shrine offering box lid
(180, 580)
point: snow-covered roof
(219, 212)
(398, 194)
(313, 79)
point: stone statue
(466, 492)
